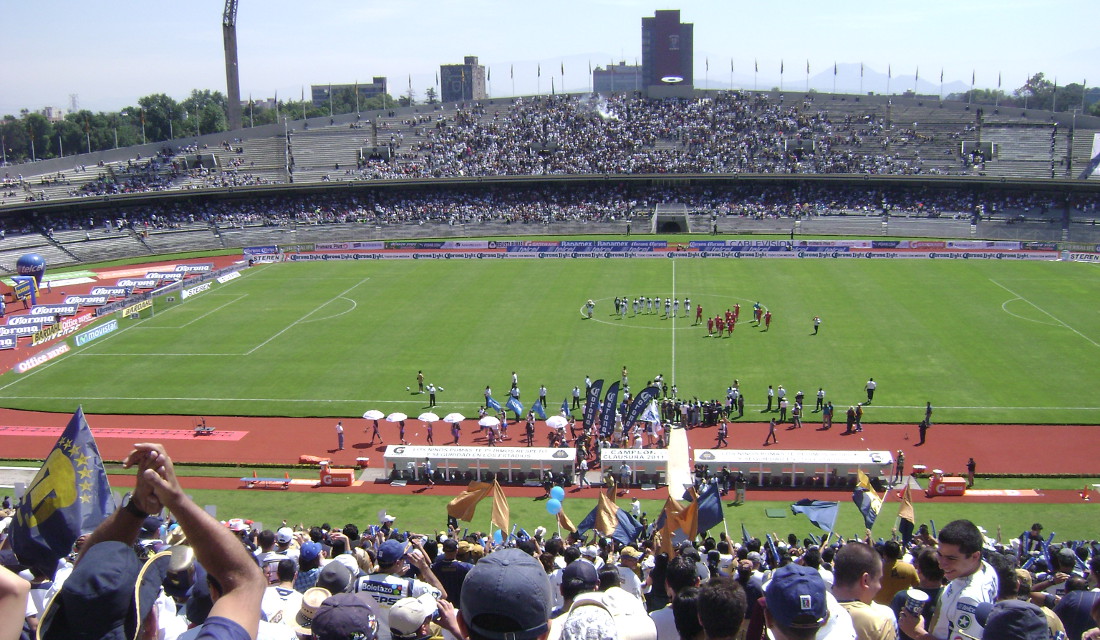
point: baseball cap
(591, 551)
(450, 544)
(630, 552)
(507, 596)
(626, 613)
(309, 551)
(311, 601)
(391, 551)
(336, 577)
(578, 574)
(344, 616)
(106, 596)
(388, 518)
(180, 576)
(407, 615)
(284, 535)
(1016, 620)
(1067, 556)
(796, 597)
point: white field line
(674, 324)
(1049, 314)
(187, 324)
(303, 318)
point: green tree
(430, 95)
(163, 117)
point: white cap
(284, 535)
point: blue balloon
(31, 264)
(557, 493)
(553, 506)
(498, 536)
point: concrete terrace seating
(194, 237)
(1023, 150)
(102, 246)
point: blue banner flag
(68, 497)
(744, 533)
(565, 408)
(492, 404)
(592, 403)
(822, 513)
(611, 520)
(710, 506)
(868, 503)
(651, 414)
(639, 405)
(607, 412)
(514, 405)
(538, 410)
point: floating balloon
(553, 506)
(31, 264)
(557, 493)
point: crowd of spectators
(191, 576)
(548, 204)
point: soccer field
(985, 341)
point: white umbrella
(556, 422)
(396, 417)
(453, 417)
(428, 416)
(488, 421)
(374, 414)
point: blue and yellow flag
(68, 497)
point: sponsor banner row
(1083, 257)
(205, 267)
(137, 307)
(765, 252)
(42, 358)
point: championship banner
(638, 405)
(592, 403)
(607, 415)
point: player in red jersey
(721, 324)
(710, 326)
(767, 320)
(699, 314)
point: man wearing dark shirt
(451, 571)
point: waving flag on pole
(464, 505)
(565, 408)
(611, 520)
(651, 414)
(709, 506)
(68, 497)
(492, 404)
(639, 407)
(866, 500)
(822, 513)
(538, 410)
(515, 406)
(906, 516)
(501, 512)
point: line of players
(648, 306)
(728, 321)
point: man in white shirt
(972, 582)
(629, 558)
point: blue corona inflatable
(31, 264)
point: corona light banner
(68, 497)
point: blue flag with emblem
(565, 408)
(539, 410)
(710, 506)
(493, 404)
(514, 405)
(868, 503)
(68, 497)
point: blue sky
(109, 54)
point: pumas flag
(822, 513)
(611, 520)
(538, 410)
(68, 497)
(516, 406)
(866, 500)
(492, 404)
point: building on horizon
(464, 81)
(319, 93)
(617, 78)
(667, 51)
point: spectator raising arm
(224, 557)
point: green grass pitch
(983, 341)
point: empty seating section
(1022, 150)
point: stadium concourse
(1001, 448)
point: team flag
(822, 513)
(565, 408)
(515, 406)
(868, 503)
(565, 523)
(68, 497)
(651, 414)
(668, 522)
(464, 505)
(744, 533)
(709, 506)
(492, 404)
(538, 410)
(611, 520)
(501, 511)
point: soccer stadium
(646, 322)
